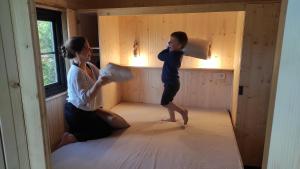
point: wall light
(136, 48)
(138, 59)
(212, 62)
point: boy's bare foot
(67, 138)
(169, 120)
(185, 116)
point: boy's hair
(181, 37)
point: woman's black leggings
(85, 125)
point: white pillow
(197, 48)
(116, 72)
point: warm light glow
(138, 61)
(213, 62)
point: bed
(208, 142)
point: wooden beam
(50, 7)
(96, 4)
(221, 7)
(237, 64)
(71, 22)
(52, 3)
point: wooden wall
(55, 118)
(199, 88)
(110, 52)
(261, 23)
(153, 33)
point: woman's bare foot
(169, 120)
(67, 138)
(185, 116)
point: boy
(172, 57)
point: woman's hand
(103, 80)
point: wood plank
(284, 112)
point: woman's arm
(86, 94)
(91, 93)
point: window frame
(55, 17)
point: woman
(82, 107)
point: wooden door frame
(24, 72)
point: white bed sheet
(208, 142)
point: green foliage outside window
(46, 38)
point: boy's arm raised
(163, 54)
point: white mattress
(208, 142)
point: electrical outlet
(219, 76)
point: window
(50, 39)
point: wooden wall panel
(109, 44)
(71, 22)
(261, 23)
(199, 88)
(153, 33)
(55, 117)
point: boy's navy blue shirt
(172, 63)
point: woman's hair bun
(73, 45)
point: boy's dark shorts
(170, 91)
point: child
(172, 57)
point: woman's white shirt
(78, 84)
